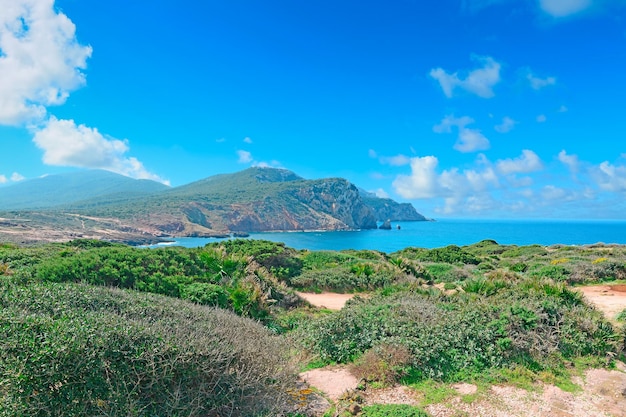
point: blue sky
(466, 108)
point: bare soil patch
(332, 381)
(610, 299)
(603, 394)
(329, 300)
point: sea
(433, 234)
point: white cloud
(422, 183)
(479, 81)
(372, 153)
(538, 83)
(571, 161)
(506, 126)
(247, 140)
(41, 61)
(527, 162)
(244, 157)
(380, 193)
(66, 144)
(397, 160)
(541, 118)
(3, 179)
(610, 177)
(471, 140)
(220, 140)
(425, 182)
(562, 8)
(468, 140)
(17, 177)
(562, 109)
(271, 164)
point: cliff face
(387, 209)
(339, 199)
(330, 204)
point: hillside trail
(602, 392)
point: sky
(464, 108)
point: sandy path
(329, 300)
(332, 381)
(610, 299)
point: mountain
(253, 200)
(64, 189)
(388, 209)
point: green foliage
(524, 252)
(275, 257)
(554, 272)
(392, 410)
(621, 316)
(205, 293)
(451, 254)
(493, 324)
(442, 272)
(77, 350)
(206, 276)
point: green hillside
(98, 204)
(63, 189)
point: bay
(447, 232)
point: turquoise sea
(447, 232)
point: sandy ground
(603, 394)
(610, 299)
(329, 300)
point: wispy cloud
(506, 126)
(244, 157)
(563, 8)
(65, 143)
(571, 161)
(468, 140)
(479, 81)
(538, 83)
(247, 140)
(542, 118)
(527, 162)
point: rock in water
(386, 225)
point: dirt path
(329, 300)
(610, 299)
(603, 394)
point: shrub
(554, 272)
(451, 336)
(524, 252)
(385, 363)
(392, 410)
(204, 293)
(451, 254)
(75, 350)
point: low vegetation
(95, 328)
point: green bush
(77, 350)
(554, 272)
(451, 254)
(392, 410)
(204, 293)
(494, 324)
(274, 256)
